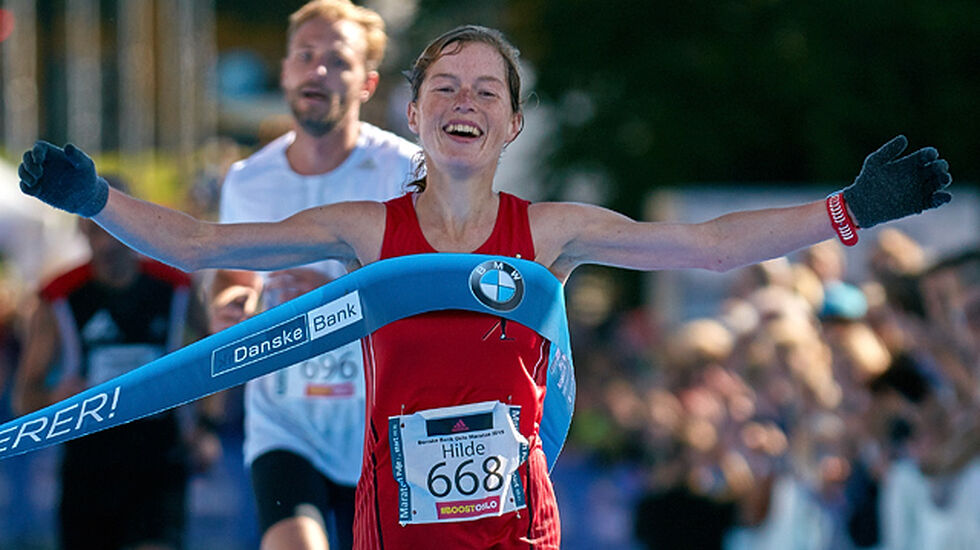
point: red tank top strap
(512, 233)
(403, 235)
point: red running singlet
(449, 358)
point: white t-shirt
(315, 408)
(913, 519)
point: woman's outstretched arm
(888, 187)
(66, 178)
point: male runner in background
(304, 425)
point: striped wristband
(840, 220)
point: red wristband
(840, 220)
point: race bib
(337, 374)
(108, 362)
(458, 463)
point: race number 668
(468, 477)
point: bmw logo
(497, 285)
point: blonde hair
(344, 10)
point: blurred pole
(83, 60)
(207, 69)
(187, 53)
(188, 136)
(136, 76)
(169, 44)
(20, 88)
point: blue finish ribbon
(333, 315)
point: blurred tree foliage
(434, 17)
(653, 93)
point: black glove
(889, 188)
(65, 179)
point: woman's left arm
(888, 187)
(568, 235)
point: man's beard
(315, 121)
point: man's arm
(30, 391)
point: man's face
(324, 76)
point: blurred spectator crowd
(810, 412)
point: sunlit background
(757, 402)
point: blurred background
(821, 401)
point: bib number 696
(464, 480)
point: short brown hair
(344, 10)
(460, 36)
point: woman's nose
(464, 100)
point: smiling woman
(453, 370)
(487, 88)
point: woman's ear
(516, 126)
(412, 115)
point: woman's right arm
(66, 179)
(334, 231)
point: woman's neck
(457, 215)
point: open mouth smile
(462, 130)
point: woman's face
(463, 115)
